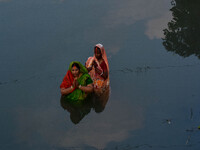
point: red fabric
(103, 66)
(68, 80)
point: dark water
(154, 74)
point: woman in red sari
(98, 69)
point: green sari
(83, 80)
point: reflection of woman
(98, 69)
(77, 110)
(77, 83)
(99, 102)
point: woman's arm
(87, 89)
(66, 91)
(89, 69)
(103, 74)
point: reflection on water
(79, 109)
(155, 95)
(182, 34)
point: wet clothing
(104, 66)
(83, 80)
(98, 81)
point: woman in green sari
(77, 83)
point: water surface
(154, 74)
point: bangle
(101, 73)
(79, 86)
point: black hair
(77, 65)
(96, 47)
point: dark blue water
(154, 88)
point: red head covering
(68, 80)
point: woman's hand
(98, 71)
(75, 84)
(94, 63)
(89, 69)
(87, 89)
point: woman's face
(97, 53)
(75, 71)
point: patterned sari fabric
(100, 84)
(84, 80)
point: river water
(153, 53)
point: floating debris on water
(190, 130)
(188, 140)
(168, 121)
(191, 114)
(2, 83)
